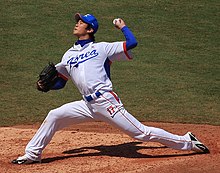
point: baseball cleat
(24, 160)
(198, 146)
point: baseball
(115, 20)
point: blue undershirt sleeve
(131, 41)
(60, 83)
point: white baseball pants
(107, 108)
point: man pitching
(87, 64)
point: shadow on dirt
(127, 150)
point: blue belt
(90, 98)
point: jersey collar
(83, 42)
(78, 47)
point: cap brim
(78, 16)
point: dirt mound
(97, 147)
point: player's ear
(89, 31)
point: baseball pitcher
(87, 65)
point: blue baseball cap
(89, 19)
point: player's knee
(138, 135)
(52, 115)
(142, 135)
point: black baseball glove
(47, 78)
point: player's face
(80, 30)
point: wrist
(123, 27)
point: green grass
(174, 77)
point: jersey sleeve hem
(62, 76)
(126, 52)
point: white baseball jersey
(85, 65)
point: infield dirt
(99, 148)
